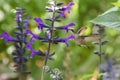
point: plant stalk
(49, 45)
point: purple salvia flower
(41, 24)
(29, 46)
(65, 40)
(32, 40)
(71, 37)
(26, 22)
(68, 26)
(7, 37)
(34, 52)
(33, 35)
(66, 9)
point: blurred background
(75, 62)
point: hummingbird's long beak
(73, 31)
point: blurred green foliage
(109, 18)
(73, 61)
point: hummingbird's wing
(81, 31)
(93, 37)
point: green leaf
(111, 10)
(110, 18)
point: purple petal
(71, 24)
(32, 40)
(71, 4)
(41, 24)
(7, 37)
(66, 9)
(29, 46)
(71, 37)
(63, 15)
(67, 27)
(33, 35)
(35, 52)
(65, 40)
(38, 20)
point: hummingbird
(83, 40)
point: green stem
(100, 50)
(49, 45)
(100, 55)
